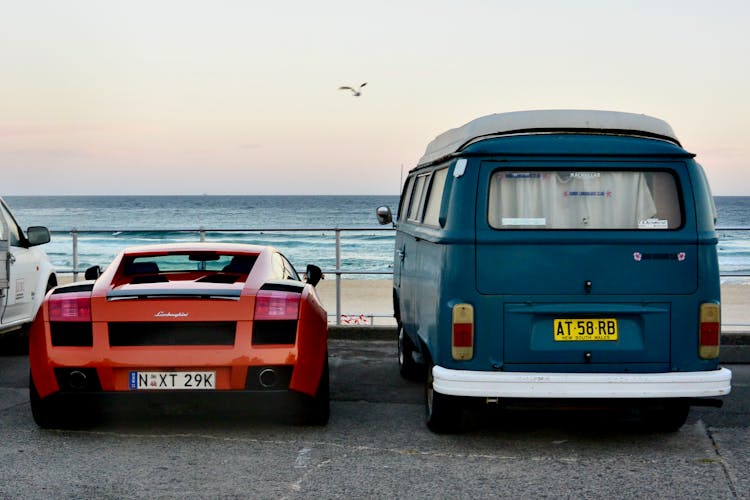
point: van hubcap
(401, 347)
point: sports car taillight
(276, 305)
(74, 306)
(275, 320)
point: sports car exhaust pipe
(268, 378)
(77, 380)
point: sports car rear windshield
(185, 262)
(569, 199)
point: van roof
(547, 121)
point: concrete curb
(735, 346)
(362, 332)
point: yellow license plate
(585, 329)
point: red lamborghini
(201, 320)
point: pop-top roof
(546, 121)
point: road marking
(303, 458)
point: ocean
(106, 224)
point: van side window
(417, 198)
(406, 198)
(569, 199)
(432, 212)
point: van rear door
(587, 259)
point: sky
(241, 97)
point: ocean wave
(107, 224)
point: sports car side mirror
(92, 273)
(314, 274)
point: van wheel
(669, 417)
(407, 367)
(443, 414)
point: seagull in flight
(355, 92)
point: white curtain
(570, 200)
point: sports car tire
(443, 414)
(47, 415)
(317, 409)
(407, 367)
(50, 414)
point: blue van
(559, 256)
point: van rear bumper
(581, 385)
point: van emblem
(162, 314)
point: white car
(26, 273)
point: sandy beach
(735, 307)
(370, 302)
(367, 297)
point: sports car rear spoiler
(147, 293)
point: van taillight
(74, 306)
(276, 305)
(463, 332)
(709, 330)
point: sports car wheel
(50, 414)
(47, 415)
(443, 414)
(317, 409)
(407, 367)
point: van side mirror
(384, 215)
(92, 273)
(37, 235)
(314, 274)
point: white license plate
(168, 381)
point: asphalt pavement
(375, 445)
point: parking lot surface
(375, 445)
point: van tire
(669, 417)
(407, 367)
(443, 414)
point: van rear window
(569, 199)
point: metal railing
(202, 232)
(338, 272)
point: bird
(355, 92)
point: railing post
(202, 233)
(74, 234)
(338, 276)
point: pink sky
(180, 97)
